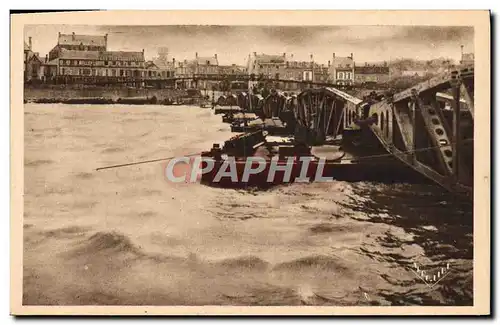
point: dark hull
(337, 170)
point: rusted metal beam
(347, 97)
(332, 109)
(468, 89)
(340, 120)
(437, 133)
(406, 157)
(441, 81)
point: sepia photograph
(325, 164)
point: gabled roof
(342, 61)
(51, 62)
(266, 58)
(89, 40)
(371, 70)
(35, 56)
(84, 55)
(162, 65)
(202, 60)
(468, 56)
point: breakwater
(60, 92)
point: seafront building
(86, 59)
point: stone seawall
(32, 93)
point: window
(106, 72)
(62, 71)
(340, 75)
(348, 75)
(129, 63)
(113, 73)
(387, 124)
(261, 66)
(121, 73)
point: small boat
(137, 100)
(236, 165)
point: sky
(233, 43)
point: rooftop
(102, 55)
(371, 69)
(89, 40)
(202, 60)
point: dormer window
(208, 62)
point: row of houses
(339, 70)
(87, 57)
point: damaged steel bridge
(429, 127)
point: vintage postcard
(250, 163)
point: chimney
(215, 56)
(334, 55)
(196, 55)
(46, 58)
(255, 53)
(352, 56)
(284, 54)
(29, 42)
(58, 36)
(73, 36)
(292, 55)
(106, 41)
(328, 62)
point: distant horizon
(233, 44)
